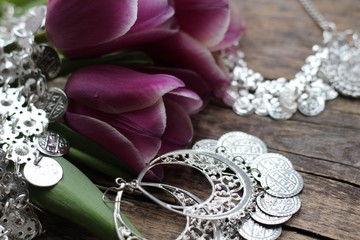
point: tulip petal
(151, 14)
(108, 137)
(129, 40)
(143, 128)
(205, 20)
(190, 54)
(114, 89)
(85, 23)
(133, 148)
(236, 28)
(192, 80)
(187, 99)
(179, 131)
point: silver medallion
(47, 172)
(54, 102)
(239, 144)
(263, 163)
(251, 230)
(261, 217)
(206, 145)
(47, 60)
(341, 66)
(278, 206)
(52, 144)
(282, 182)
(312, 106)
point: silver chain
(332, 68)
(316, 15)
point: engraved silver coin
(278, 206)
(282, 182)
(206, 145)
(312, 106)
(48, 172)
(241, 144)
(52, 144)
(264, 218)
(47, 60)
(54, 102)
(263, 163)
(251, 230)
(341, 67)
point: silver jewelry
(26, 108)
(332, 68)
(232, 189)
(239, 205)
(195, 228)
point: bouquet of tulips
(135, 72)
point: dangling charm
(341, 63)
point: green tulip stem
(78, 156)
(120, 58)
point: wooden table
(324, 149)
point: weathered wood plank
(329, 208)
(309, 139)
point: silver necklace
(332, 68)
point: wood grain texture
(325, 149)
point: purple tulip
(178, 32)
(204, 25)
(214, 23)
(134, 115)
(82, 28)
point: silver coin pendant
(46, 173)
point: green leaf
(84, 158)
(78, 200)
(120, 58)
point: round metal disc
(341, 66)
(278, 206)
(269, 161)
(54, 102)
(48, 172)
(251, 230)
(241, 144)
(282, 182)
(206, 145)
(312, 106)
(52, 144)
(264, 218)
